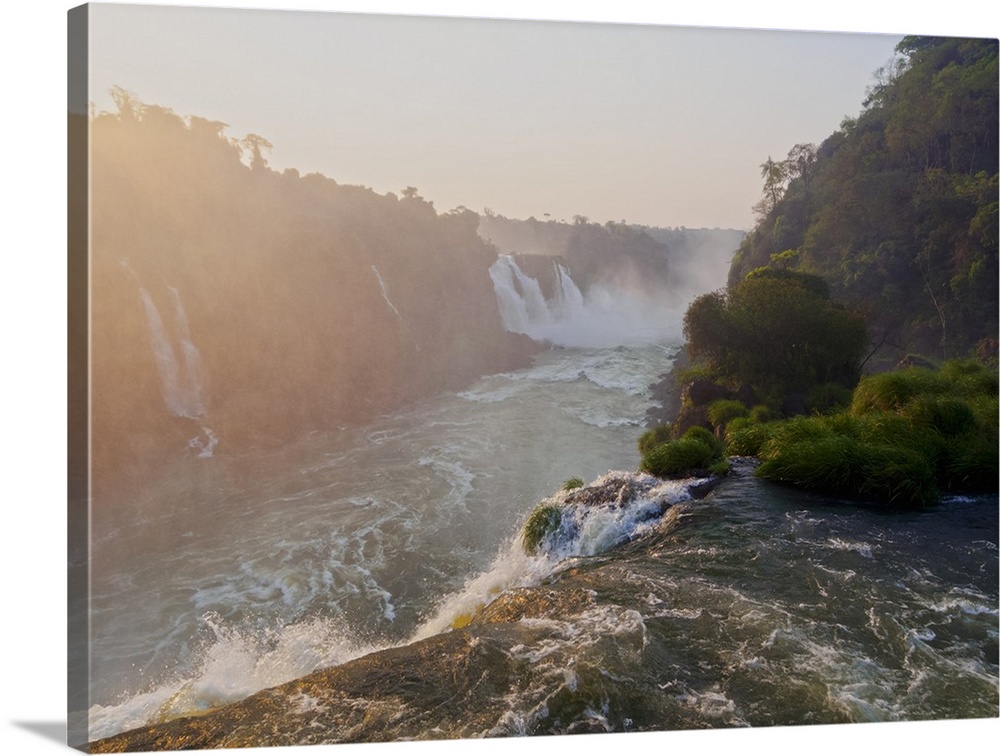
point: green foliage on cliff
(654, 436)
(777, 331)
(908, 436)
(313, 304)
(897, 210)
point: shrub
(675, 458)
(761, 413)
(949, 415)
(848, 467)
(572, 484)
(828, 396)
(721, 411)
(884, 392)
(747, 440)
(970, 378)
(703, 434)
(541, 523)
(654, 436)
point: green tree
(777, 331)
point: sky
(660, 125)
(33, 314)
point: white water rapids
(238, 573)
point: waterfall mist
(605, 315)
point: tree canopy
(897, 209)
(777, 331)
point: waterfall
(523, 308)
(605, 315)
(384, 288)
(180, 379)
(385, 292)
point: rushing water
(754, 605)
(240, 573)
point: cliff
(236, 306)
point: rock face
(237, 307)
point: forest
(854, 349)
(897, 209)
(236, 304)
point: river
(753, 605)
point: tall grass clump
(744, 438)
(696, 451)
(543, 522)
(884, 392)
(654, 436)
(827, 397)
(572, 484)
(721, 411)
(844, 466)
(907, 436)
(970, 378)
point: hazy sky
(653, 124)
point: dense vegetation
(878, 244)
(777, 331)
(907, 437)
(897, 209)
(287, 303)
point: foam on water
(585, 530)
(233, 664)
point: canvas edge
(78, 379)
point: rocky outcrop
(457, 684)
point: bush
(703, 434)
(761, 413)
(654, 436)
(572, 484)
(886, 392)
(845, 466)
(746, 439)
(541, 523)
(676, 458)
(777, 331)
(721, 411)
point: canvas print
(441, 378)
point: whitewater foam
(585, 530)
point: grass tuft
(541, 523)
